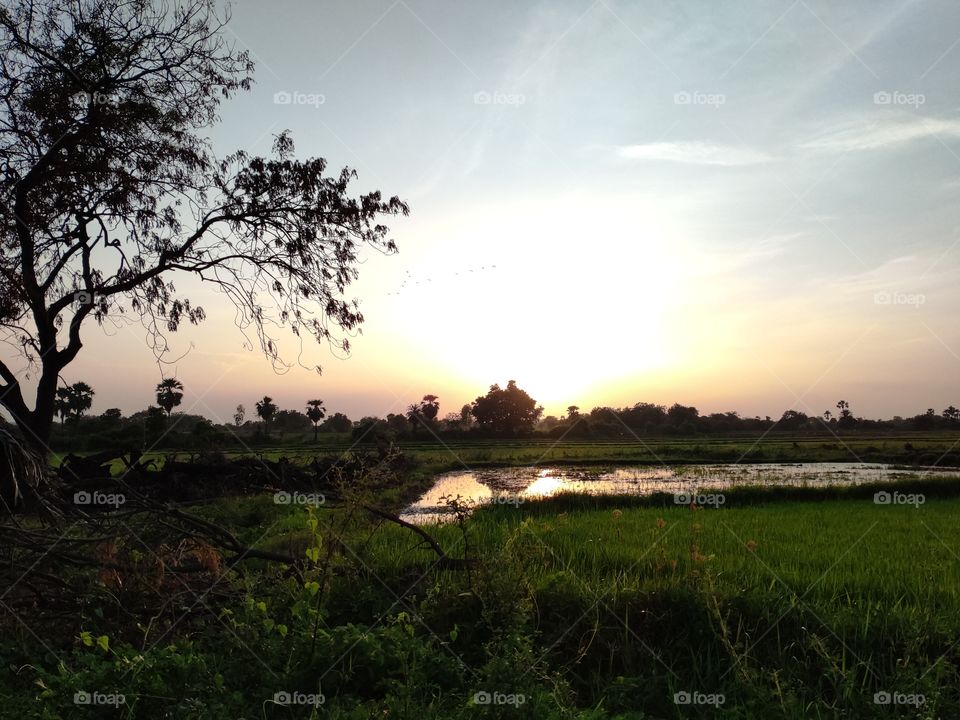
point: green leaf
(312, 587)
(313, 554)
(86, 638)
(104, 643)
(282, 629)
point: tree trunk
(35, 425)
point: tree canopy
(110, 190)
(507, 409)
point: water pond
(516, 484)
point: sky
(748, 206)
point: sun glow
(601, 302)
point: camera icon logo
(282, 98)
(482, 698)
(882, 498)
(82, 698)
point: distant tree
(337, 423)
(62, 404)
(682, 419)
(169, 394)
(573, 412)
(155, 424)
(73, 400)
(952, 414)
(292, 421)
(430, 407)
(466, 416)
(239, 414)
(414, 417)
(397, 423)
(266, 410)
(827, 415)
(845, 419)
(793, 420)
(316, 412)
(507, 409)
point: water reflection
(488, 485)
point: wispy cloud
(882, 134)
(694, 153)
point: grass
(806, 607)
(443, 454)
(793, 602)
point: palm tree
(73, 400)
(169, 394)
(266, 410)
(62, 404)
(316, 412)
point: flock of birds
(410, 279)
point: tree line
(502, 412)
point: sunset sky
(750, 206)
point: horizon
(730, 210)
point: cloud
(884, 133)
(694, 153)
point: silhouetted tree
(266, 410)
(845, 419)
(316, 412)
(73, 400)
(169, 394)
(338, 423)
(109, 186)
(430, 407)
(508, 409)
(951, 414)
(155, 424)
(239, 414)
(397, 423)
